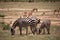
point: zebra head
(12, 31)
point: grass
(55, 30)
(40, 5)
(5, 26)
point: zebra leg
(48, 30)
(20, 28)
(32, 29)
(26, 30)
(43, 30)
(40, 30)
(35, 29)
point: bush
(2, 15)
(6, 26)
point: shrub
(6, 26)
(2, 15)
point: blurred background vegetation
(3, 25)
(29, 0)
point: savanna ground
(55, 35)
(15, 13)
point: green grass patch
(2, 15)
(6, 26)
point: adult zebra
(25, 22)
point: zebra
(56, 10)
(45, 24)
(25, 22)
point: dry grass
(55, 30)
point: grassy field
(55, 30)
(55, 35)
(26, 5)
